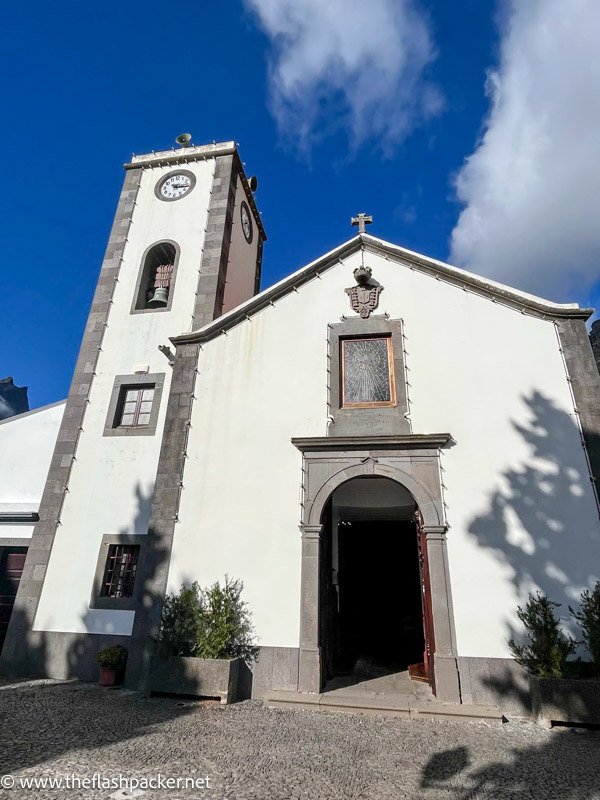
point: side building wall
(26, 445)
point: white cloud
(348, 63)
(531, 189)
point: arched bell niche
(156, 279)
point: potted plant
(562, 690)
(206, 636)
(111, 661)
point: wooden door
(12, 561)
(424, 671)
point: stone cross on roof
(361, 220)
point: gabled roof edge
(269, 295)
(497, 292)
(32, 411)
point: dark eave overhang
(15, 517)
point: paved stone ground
(50, 729)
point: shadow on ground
(566, 767)
(42, 721)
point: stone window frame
(123, 382)
(141, 275)
(115, 603)
(379, 419)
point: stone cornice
(181, 155)
(417, 441)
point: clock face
(246, 221)
(175, 185)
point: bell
(160, 298)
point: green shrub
(588, 619)
(226, 624)
(207, 623)
(547, 649)
(112, 657)
(180, 623)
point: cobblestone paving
(249, 752)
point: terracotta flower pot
(108, 677)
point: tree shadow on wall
(536, 522)
(41, 722)
(537, 525)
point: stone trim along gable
(511, 298)
(155, 554)
(19, 656)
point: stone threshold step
(385, 705)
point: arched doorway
(413, 462)
(374, 592)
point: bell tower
(185, 247)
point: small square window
(135, 406)
(119, 572)
(367, 372)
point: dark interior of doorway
(378, 623)
(12, 561)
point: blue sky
(85, 85)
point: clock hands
(175, 186)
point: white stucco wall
(26, 445)
(241, 269)
(489, 375)
(112, 481)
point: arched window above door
(156, 278)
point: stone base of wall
(495, 681)
(44, 654)
(47, 654)
(275, 668)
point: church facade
(388, 451)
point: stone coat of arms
(364, 298)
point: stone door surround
(413, 461)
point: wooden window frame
(112, 426)
(391, 403)
(140, 388)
